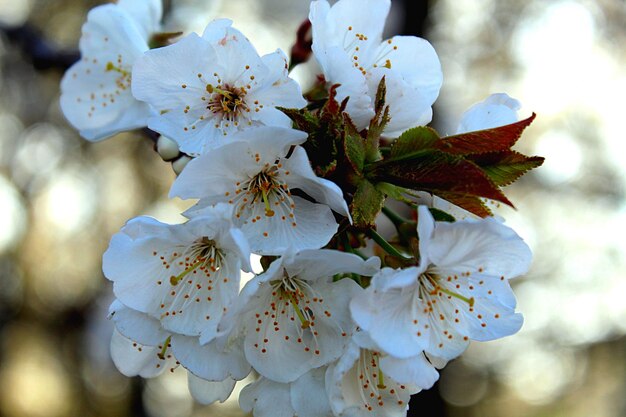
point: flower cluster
(341, 321)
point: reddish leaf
(332, 107)
(472, 204)
(437, 172)
(488, 140)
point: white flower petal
(483, 246)
(322, 190)
(312, 226)
(425, 230)
(266, 398)
(491, 321)
(311, 265)
(417, 370)
(279, 88)
(347, 18)
(214, 174)
(235, 51)
(133, 359)
(137, 326)
(416, 61)
(308, 395)
(496, 110)
(146, 13)
(393, 316)
(212, 362)
(207, 392)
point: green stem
(345, 241)
(395, 218)
(385, 245)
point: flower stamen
(166, 344)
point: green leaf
(367, 202)
(393, 191)
(437, 172)
(414, 140)
(488, 140)
(507, 166)
(381, 94)
(378, 123)
(354, 146)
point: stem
(385, 245)
(395, 218)
(346, 244)
(345, 241)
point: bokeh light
(61, 199)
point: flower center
(124, 79)
(432, 285)
(291, 289)
(202, 254)
(226, 101)
(266, 188)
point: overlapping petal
(254, 176)
(347, 43)
(96, 91)
(183, 275)
(208, 88)
(298, 319)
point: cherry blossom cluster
(340, 321)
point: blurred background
(62, 198)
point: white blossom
(141, 346)
(460, 290)
(254, 175)
(348, 45)
(295, 316)
(184, 276)
(207, 88)
(96, 91)
(356, 387)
